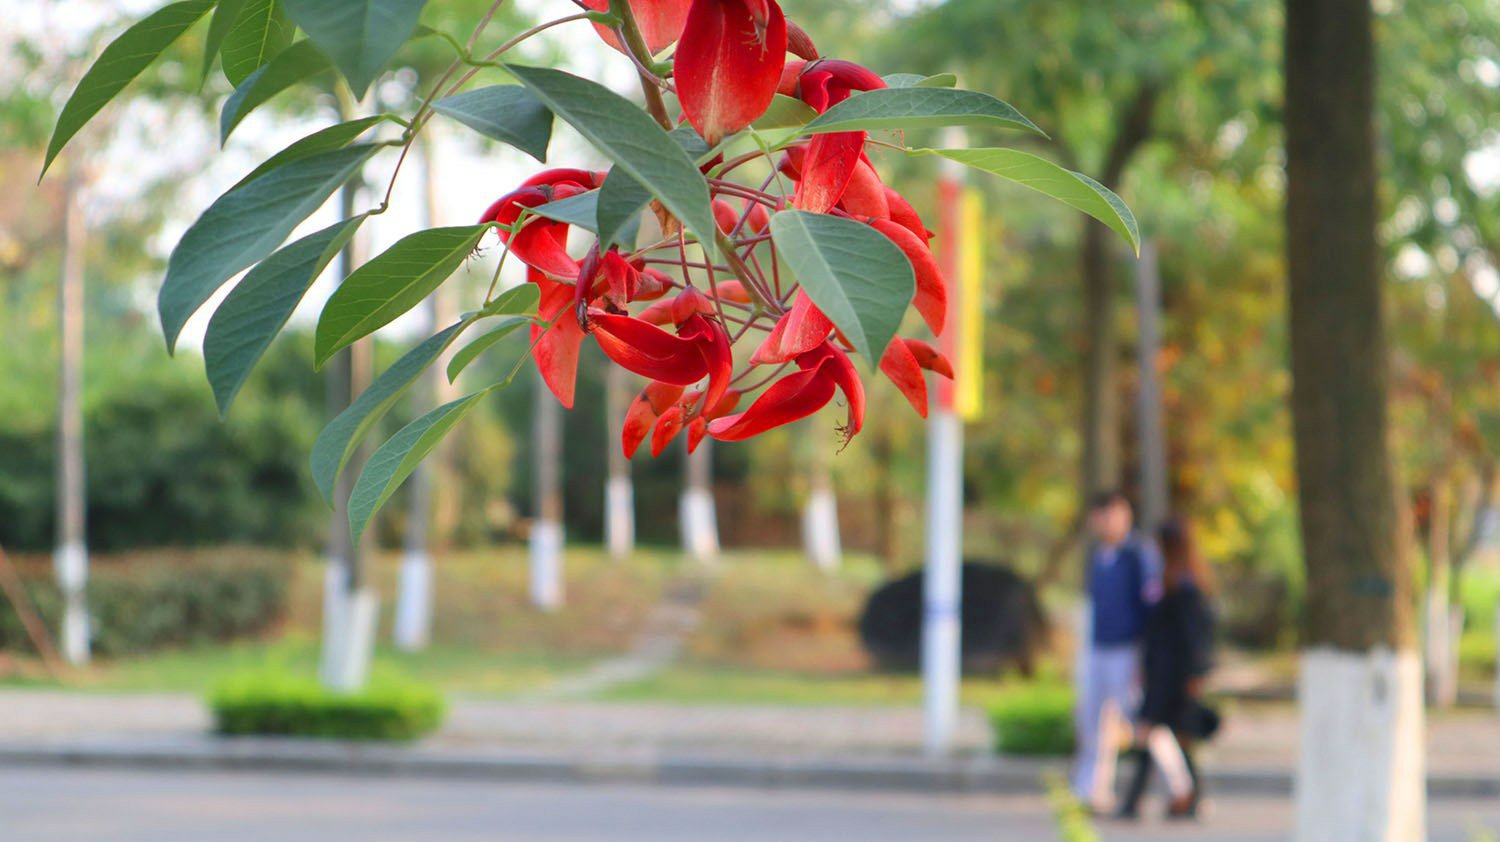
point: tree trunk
(1155, 500)
(413, 620)
(71, 560)
(349, 606)
(546, 523)
(820, 512)
(1101, 411)
(696, 511)
(619, 493)
(1360, 775)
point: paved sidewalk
(663, 743)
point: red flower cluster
(731, 59)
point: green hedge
(1034, 719)
(279, 704)
(142, 602)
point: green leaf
(785, 112)
(516, 301)
(621, 198)
(393, 462)
(581, 210)
(390, 284)
(224, 17)
(292, 65)
(856, 276)
(360, 36)
(260, 304)
(337, 441)
(626, 135)
(246, 224)
(323, 140)
(508, 113)
(471, 351)
(261, 31)
(1073, 189)
(119, 64)
(939, 80)
(915, 108)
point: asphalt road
(49, 805)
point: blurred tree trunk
(1101, 411)
(1360, 775)
(413, 619)
(71, 559)
(619, 493)
(887, 533)
(546, 523)
(820, 512)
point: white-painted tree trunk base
(942, 583)
(546, 565)
(1361, 776)
(70, 564)
(1497, 662)
(1440, 645)
(700, 525)
(619, 517)
(413, 625)
(348, 633)
(820, 530)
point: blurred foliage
(143, 603)
(1033, 719)
(280, 703)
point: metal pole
(71, 561)
(619, 495)
(547, 527)
(1155, 495)
(942, 577)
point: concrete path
(659, 644)
(114, 806)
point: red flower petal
(713, 344)
(837, 365)
(660, 21)
(826, 170)
(556, 348)
(806, 327)
(728, 63)
(932, 293)
(865, 194)
(666, 429)
(929, 357)
(648, 350)
(644, 411)
(901, 367)
(789, 399)
(903, 213)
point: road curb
(977, 774)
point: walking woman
(1178, 643)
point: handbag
(1202, 720)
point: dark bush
(1002, 621)
(273, 703)
(139, 603)
(1034, 719)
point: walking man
(1123, 581)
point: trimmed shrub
(1034, 719)
(275, 703)
(141, 603)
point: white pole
(941, 581)
(71, 560)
